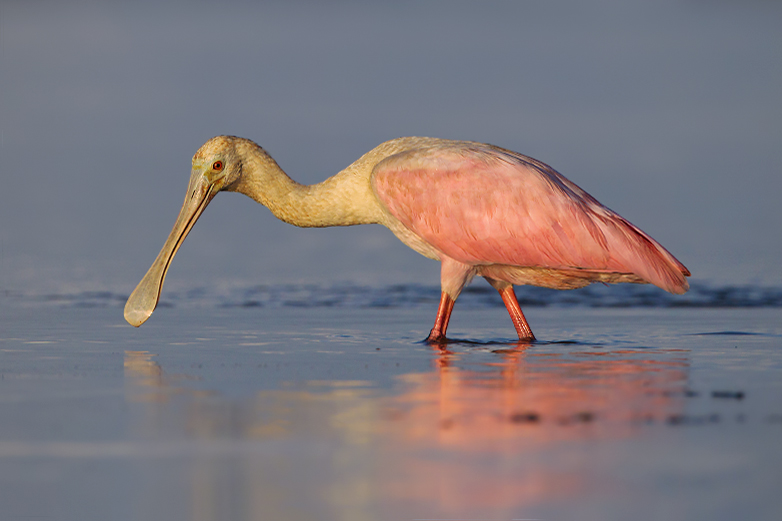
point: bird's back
(486, 206)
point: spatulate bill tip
(136, 317)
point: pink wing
(482, 205)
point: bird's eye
(217, 165)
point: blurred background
(668, 112)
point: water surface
(211, 412)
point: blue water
(301, 407)
(476, 296)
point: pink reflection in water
(464, 439)
(497, 438)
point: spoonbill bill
(477, 208)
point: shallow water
(264, 412)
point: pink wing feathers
(484, 206)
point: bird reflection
(482, 433)
(143, 377)
(610, 391)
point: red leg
(519, 322)
(437, 335)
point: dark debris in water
(720, 394)
(417, 295)
(728, 395)
(525, 417)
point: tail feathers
(642, 255)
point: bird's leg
(437, 335)
(514, 310)
(454, 275)
(516, 315)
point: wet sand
(334, 413)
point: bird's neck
(342, 200)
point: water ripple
(416, 295)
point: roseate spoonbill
(478, 209)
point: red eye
(217, 165)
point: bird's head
(216, 166)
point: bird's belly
(556, 278)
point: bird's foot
(526, 338)
(436, 338)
